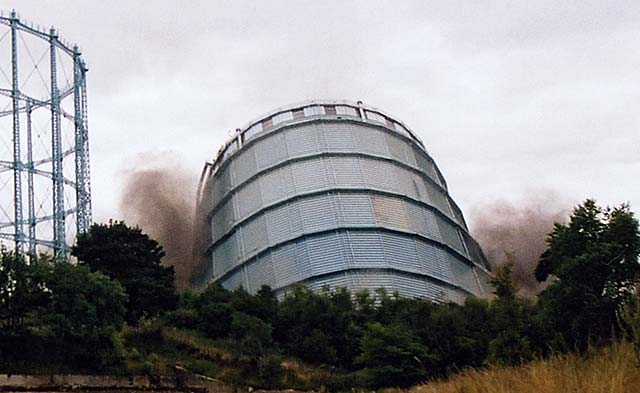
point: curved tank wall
(339, 194)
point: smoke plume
(518, 232)
(161, 201)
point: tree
(214, 313)
(594, 261)
(502, 281)
(317, 326)
(53, 312)
(511, 320)
(21, 291)
(392, 356)
(85, 313)
(133, 259)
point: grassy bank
(613, 369)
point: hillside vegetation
(117, 312)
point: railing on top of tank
(310, 110)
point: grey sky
(511, 98)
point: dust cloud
(518, 232)
(161, 201)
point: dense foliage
(594, 260)
(133, 259)
(58, 316)
(358, 339)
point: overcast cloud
(510, 98)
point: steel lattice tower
(43, 108)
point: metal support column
(79, 150)
(17, 160)
(86, 166)
(30, 197)
(56, 150)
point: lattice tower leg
(56, 150)
(17, 160)
(30, 193)
(85, 162)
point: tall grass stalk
(612, 369)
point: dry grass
(203, 347)
(614, 369)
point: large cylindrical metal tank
(335, 193)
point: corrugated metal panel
(457, 214)
(245, 165)
(379, 174)
(434, 260)
(355, 210)
(234, 281)
(417, 223)
(309, 175)
(270, 150)
(454, 296)
(390, 212)
(367, 249)
(254, 235)
(450, 235)
(222, 220)
(346, 171)
(432, 224)
(345, 239)
(407, 185)
(464, 275)
(297, 224)
(373, 280)
(370, 141)
(423, 221)
(397, 148)
(413, 287)
(400, 252)
(437, 198)
(291, 263)
(249, 199)
(302, 140)
(318, 213)
(226, 253)
(425, 164)
(421, 189)
(338, 137)
(272, 186)
(410, 156)
(483, 280)
(279, 225)
(333, 282)
(474, 250)
(326, 253)
(440, 178)
(260, 273)
(222, 185)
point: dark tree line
(383, 339)
(368, 339)
(57, 313)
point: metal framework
(43, 108)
